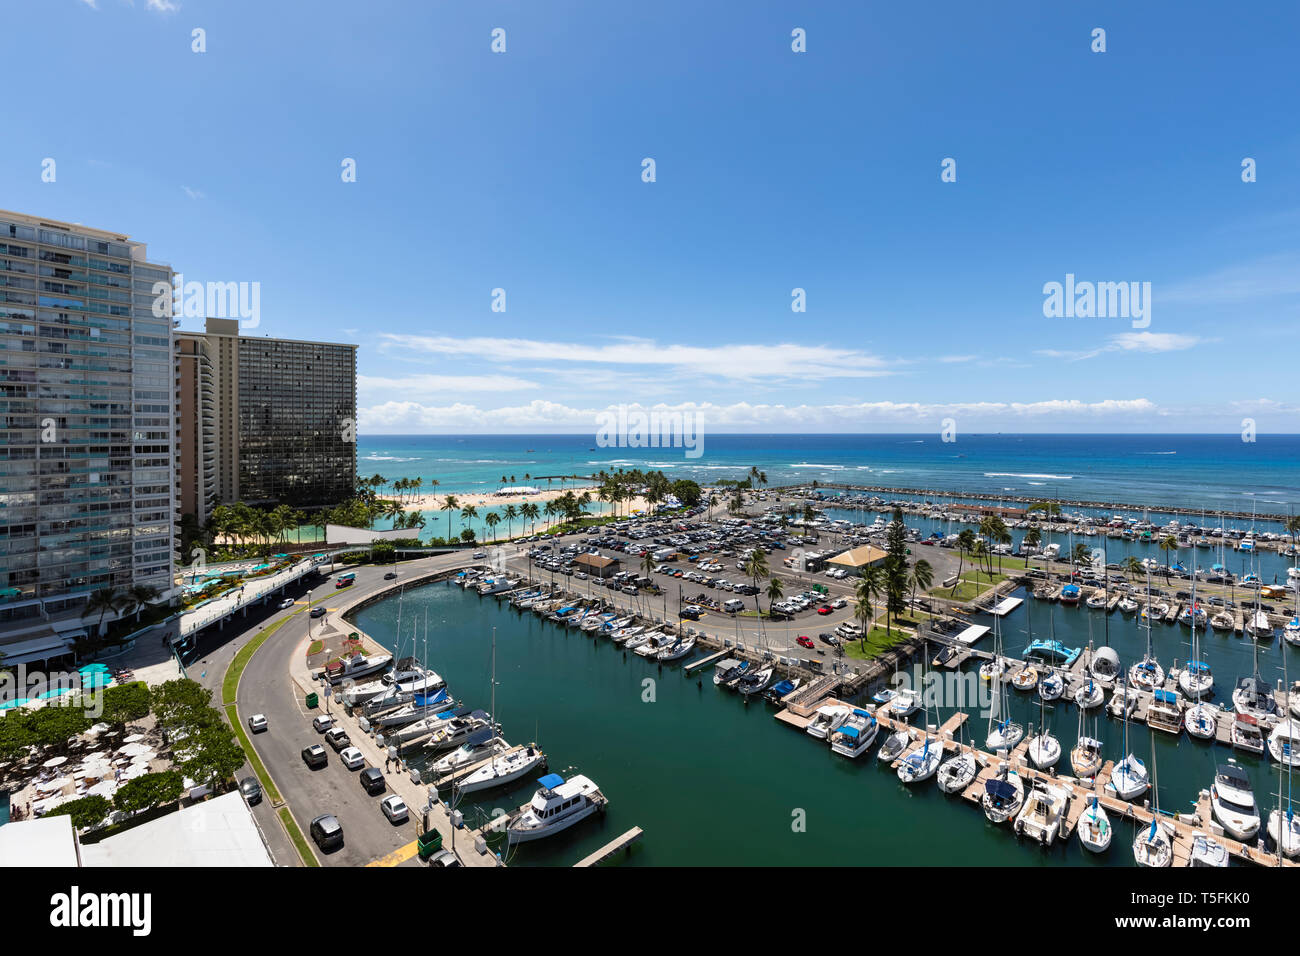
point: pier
(609, 849)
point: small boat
(1258, 626)
(1123, 702)
(1127, 605)
(1044, 809)
(1223, 621)
(1165, 711)
(1293, 699)
(458, 730)
(1025, 679)
(481, 744)
(920, 765)
(755, 682)
(1051, 687)
(727, 669)
(359, 665)
(905, 703)
(420, 707)
(557, 805)
(504, 769)
(1253, 697)
(1089, 695)
(1003, 796)
(1233, 803)
(1070, 594)
(1095, 832)
(1155, 612)
(427, 725)
(1153, 846)
(883, 697)
(1196, 679)
(855, 736)
(1085, 757)
(1097, 601)
(1045, 592)
(893, 746)
(677, 650)
(1195, 613)
(1129, 778)
(1104, 666)
(957, 773)
(1246, 734)
(1004, 736)
(1201, 720)
(1044, 750)
(1284, 831)
(1146, 674)
(827, 720)
(1207, 852)
(992, 669)
(782, 688)
(1291, 631)
(1284, 742)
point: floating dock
(609, 849)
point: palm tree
(867, 590)
(492, 519)
(510, 515)
(449, 505)
(530, 511)
(138, 597)
(1033, 538)
(103, 600)
(1132, 566)
(774, 591)
(965, 542)
(1168, 543)
(467, 514)
(921, 576)
(756, 570)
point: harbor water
(713, 780)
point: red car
(824, 609)
(803, 641)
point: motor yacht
(828, 719)
(1043, 811)
(855, 736)
(1233, 803)
(557, 805)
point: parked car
(372, 781)
(352, 758)
(825, 609)
(318, 612)
(322, 723)
(337, 738)
(315, 756)
(394, 808)
(251, 789)
(258, 723)
(327, 832)
(830, 639)
(444, 859)
(804, 641)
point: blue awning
(551, 781)
(849, 731)
(1166, 696)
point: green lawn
(878, 641)
(299, 841)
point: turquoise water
(713, 780)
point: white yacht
(1044, 750)
(1129, 780)
(828, 719)
(458, 730)
(678, 650)
(1044, 809)
(1207, 852)
(905, 702)
(1233, 802)
(1196, 679)
(1284, 829)
(481, 744)
(1085, 758)
(1104, 665)
(1201, 720)
(503, 769)
(1089, 695)
(1284, 742)
(855, 736)
(894, 746)
(557, 805)
(356, 666)
(1154, 845)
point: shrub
(149, 791)
(87, 812)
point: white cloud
(542, 416)
(739, 361)
(194, 193)
(1151, 342)
(418, 386)
(163, 6)
(1271, 276)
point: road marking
(398, 856)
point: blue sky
(775, 170)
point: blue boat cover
(481, 736)
(849, 731)
(862, 713)
(551, 781)
(999, 789)
(1167, 696)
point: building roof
(860, 556)
(216, 832)
(595, 560)
(43, 841)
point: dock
(706, 660)
(609, 849)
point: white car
(286, 603)
(352, 758)
(322, 723)
(394, 808)
(257, 723)
(839, 602)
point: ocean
(1209, 472)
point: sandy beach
(494, 502)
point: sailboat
(1085, 757)
(957, 773)
(1044, 749)
(502, 768)
(1007, 733)
(1129, 779)
(1095, 832)
(1003, 795)
(994, 669)
(1154, 845)
(1283, 824)
(1147, 674)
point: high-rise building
(196, 428)
(86, 405)
(284, 419)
